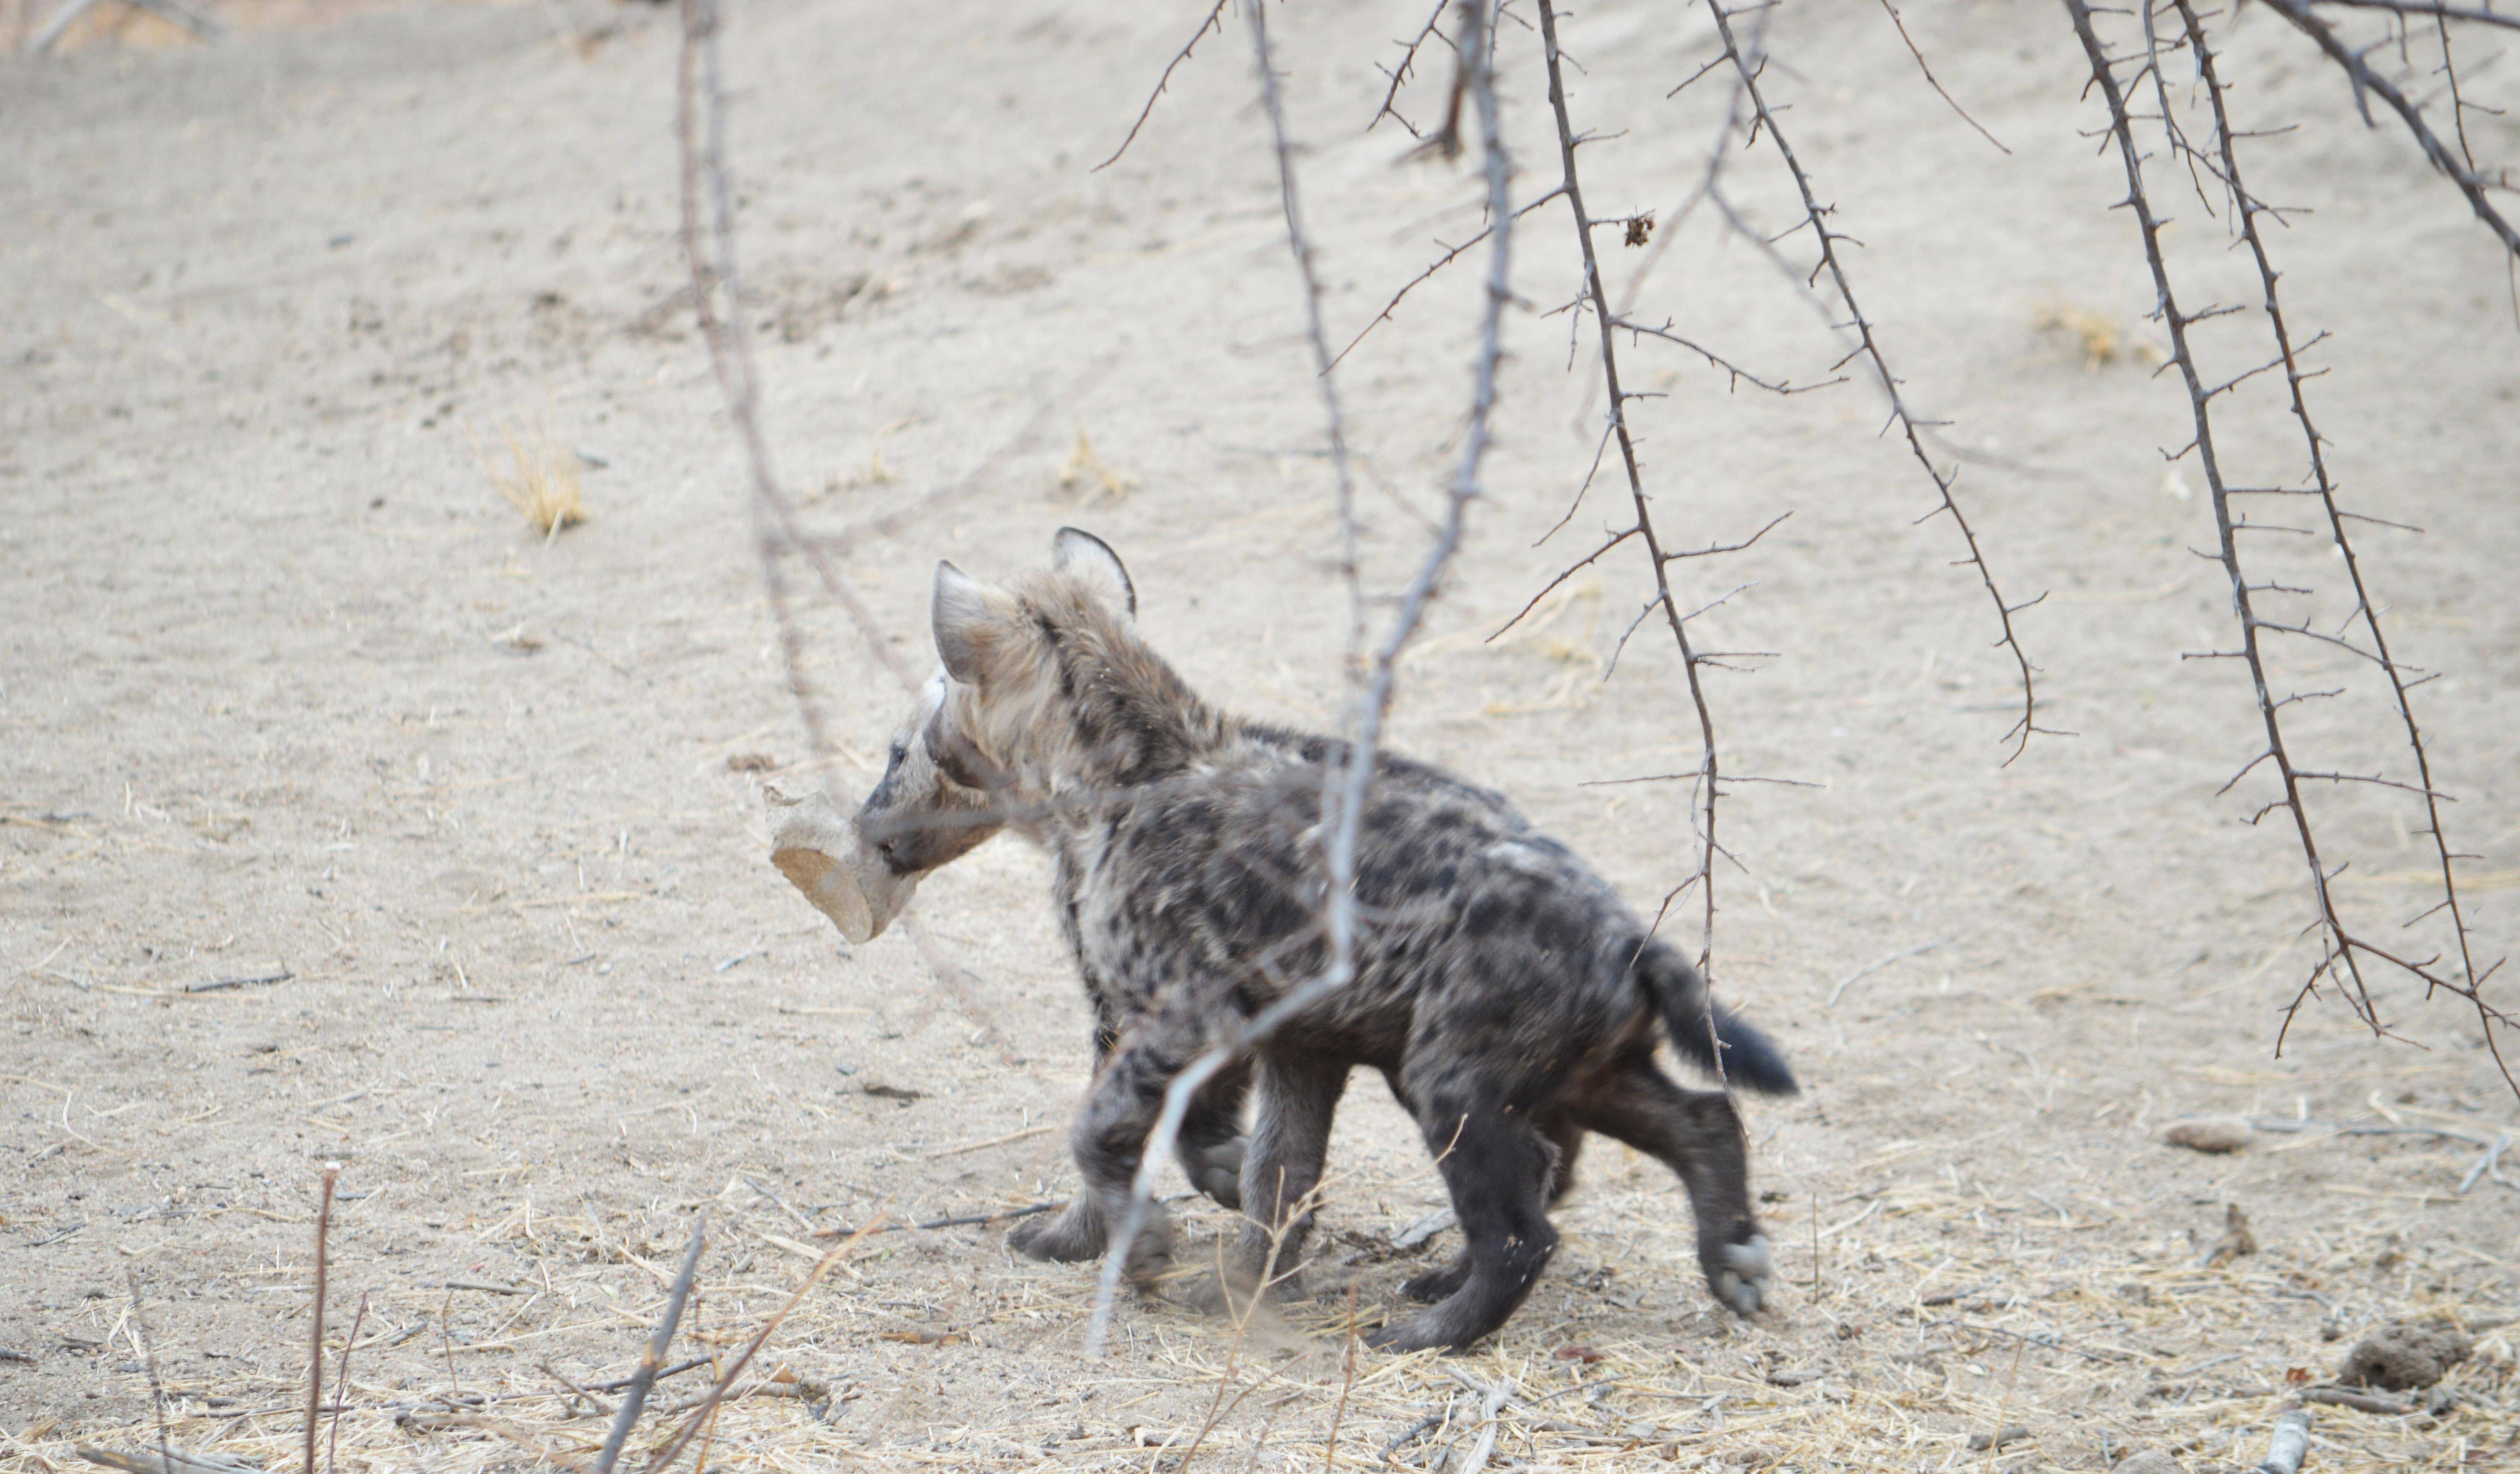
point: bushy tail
(1749, 1059)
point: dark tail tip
(1749, 1059)
(1752, 1060)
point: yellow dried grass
(541, 479)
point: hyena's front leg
(1213, 1145)
(1109, 1138)
(1290, 1134)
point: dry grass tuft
(2099, 338)
(1084, 476)
(2094, 334)
(541, 481)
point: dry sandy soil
(285, 687)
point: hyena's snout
(934, 803)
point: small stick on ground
(255, 981)
(2359, 1401)
(315, 1338)
(958, 1220)
(621, 1383)
(717, 1394)
(636, 1396)
(341, 1382)
(148, 1360)
(1347, 1380)
(1859, 973)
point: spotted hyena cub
(1508, 995)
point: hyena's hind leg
(1498, 1168)
(1566, 1138)
(1697, 1133)
(1108, 1140)
(1290, 1134)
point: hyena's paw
(1216, 1169)
(1417, 1332)
(1150, 1255)
(1067, 1237)
(1739, 1273)
(1439, 1283)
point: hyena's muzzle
(932, 806)
(935, 802)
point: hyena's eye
(900, 751)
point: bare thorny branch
(2344, 950)
(1708, 786)
(2459, 169)
(1749, 65)
(1407, 59)
(1213, 21)
(1343, 804)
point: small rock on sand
(2405, 1355)
(2215, 1134)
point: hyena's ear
(1090, 561)
(958, 609)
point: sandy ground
(285, 687)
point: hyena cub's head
(936, 801)
(942, 795)
(1048, 687)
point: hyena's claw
(1742, 1281)
(1069, 1237)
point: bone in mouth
(816, 846)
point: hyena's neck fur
(1077, 707)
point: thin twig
(315, 1336)
(717, 1394)
(149, 1363)
(2432, 8)
(635, 1396)
(1451, 254)
(2342, 949)
(1750, 67)
(1344, 806)
(341, 1382)
(1930, 80)
(1347, 1380)
(1400, 74)
(1333, 417)
(1732, 370)
(2358, 71)
(1707, 792)
(1212, 22)
(2245, 211)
